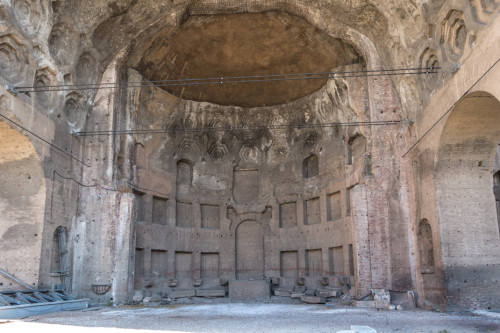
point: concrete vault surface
(242, 148)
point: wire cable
(236, 128)
(452, 107)
(236, 79)
(135, 187)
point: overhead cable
(235, 79)
(452, 107)
(236, 128)
(42, 139)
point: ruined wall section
(199, 186)
(42, 181)
(478, 72)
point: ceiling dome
(245, 44)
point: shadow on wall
(22, 207)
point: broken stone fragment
(328, 292)
(283, 293)
(313, 299)
(210, 293)
(152, 299)
(137, 298)
(182, 293)
(382, 298)
(364, 304)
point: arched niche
(467, 215)
(310, 166)
(249, 251)
(356, 150)
(184, 175)
(22, 207)
(425, 247)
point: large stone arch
(22, 208)
(470, 242)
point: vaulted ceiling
(235, 45)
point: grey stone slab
(249, 290)
(329, 292)
(313, 299)
(182, 293)
(364, 304)
(283, 293)
(210, 293)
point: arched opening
(184, 176)
(466, 205)
(249, 251)
(22, 206)
(310, 166)
(184, 172)
(356, 150)
(426, 247)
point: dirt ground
(252, 317)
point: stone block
(296, 295)
(181, 293)
(137, 298)
(313, 299)
(210, 293)
(249, 290)
(329, 292)
(299, 289)
(152, 299)
(364, 304)
(284, 293)
(310, 292)
(382, 298)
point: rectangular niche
(160, 210)
(209, 216)
(140, 209)
(348, 201)
(336, 260)
(289, 264)
(209, 265)
(351, 260)
(158, 263)
(246, 185)
(314, 260)
(312, 212)
(333, 206)
(139, 263)
(183, 265)
(288, 215)
(184, 214)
